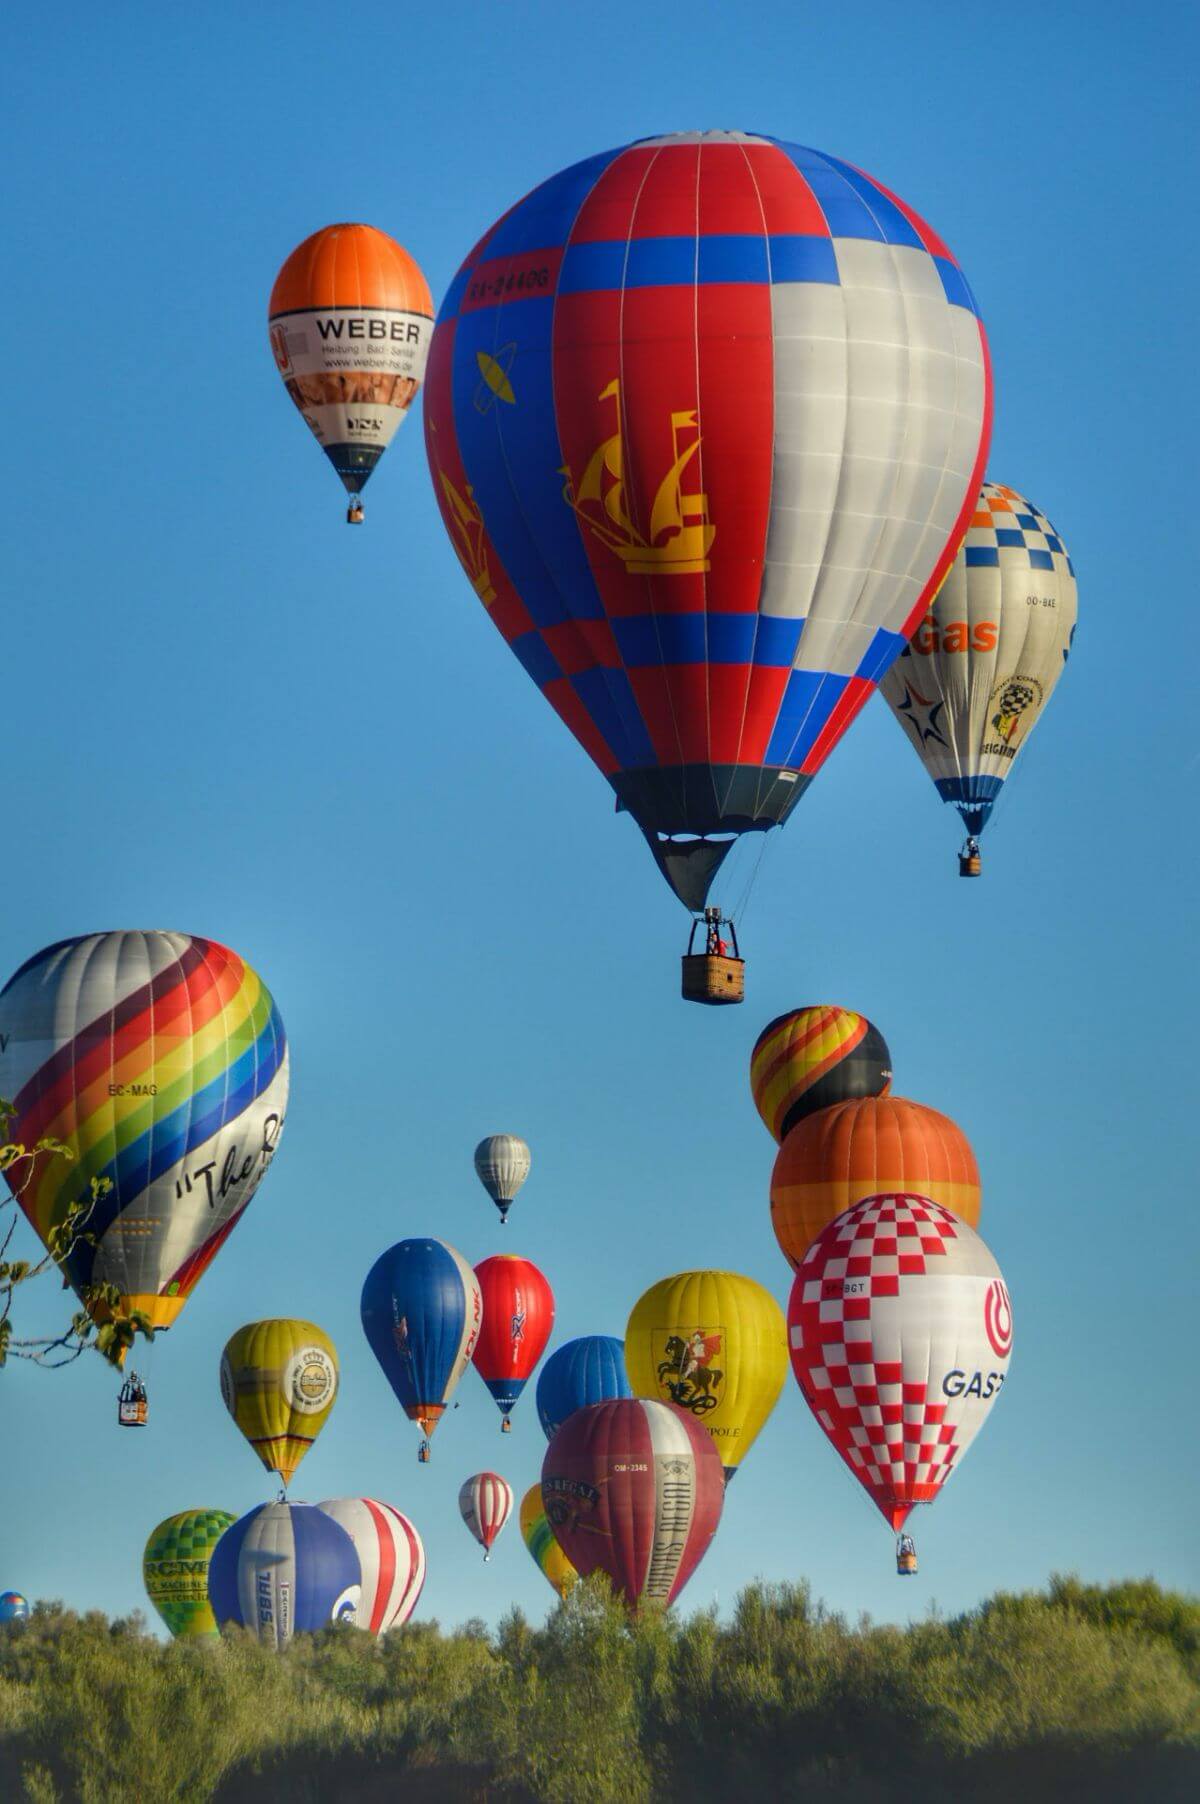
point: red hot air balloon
(518, 1316)
(634, 1488)
(900, 1329)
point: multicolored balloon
(350, 320)
(518, 1316)
(544, 1550)
(175, 1570)
(279, 1379)
(973, 681)
(502, 1164)
(901, 1329)
(485, 1504)
(706, 417)
(13, 1607)
(635, 1489)
(391, 1556)
(714, 1344)
(283, 1569)
(813, 1057)
(858, 1149)
(421, 1313)
(161, 1061)
(588, 1370)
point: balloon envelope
(544, 1550)
(706, 416)
(279, 1379)
(421, 1313)
(175, 1570)
(485, 1504)
(813, 1057)
(502, 1164)
(714, 1344)
(518, 1316)
(901, 1329)
(973, 682)
(857, 1149)
(634, 1489)
(283, 1569)
(161, 1061)
(350, 320)
(391, 1556)
(590, 1369)
(13, 1607)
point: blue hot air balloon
(588, 1370)
(421, 1312)
(13, 1607)
(284, 1567)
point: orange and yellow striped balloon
(811, 1058)
(857, 1149)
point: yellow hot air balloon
(715, 1344)
(544, 1550)
(279, 1379)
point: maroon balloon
(634, 1488)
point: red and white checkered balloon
(900, 1330)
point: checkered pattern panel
(1007, 529)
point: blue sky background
(225, 713)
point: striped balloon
(502, 1164)
(284, 1569)
(485, 1504)
(590, 1369)
(391, 1555)
(544, 1550)
(175, 1570)
(811, 1058)
(706, 416)
(161, 1061)
(421, 1313)
(635, 1489)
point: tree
(101, 1325)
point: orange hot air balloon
(350, 319)
(853, 1150)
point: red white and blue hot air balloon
(706, 418)
(518, 1316)
(391, 1555)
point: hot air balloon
(175, 1570)
(350, 321)
(588, 1370)
(485, 1504)
(161, 1061)
(634, 1488)
(901, 1329)
(13, 1607)
(422, 1312)
(279, 1380)
(857, 1149)
(706, 416)
(544, 1550)
(391, 1556)
(714, 1344)
(971, 685)
(502, 1163)
(283, 1569)
(813, 1057)
(518, 1315)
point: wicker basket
(707, 977)
(970, 864)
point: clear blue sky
(228, 714)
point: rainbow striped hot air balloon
(161, 1061)
(544, 1550)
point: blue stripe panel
(808, 701)
(684, 262)
(801, 257)
(414, 1313)
(454, 294)
(505, 1391)
(980, 556)
(544, 218)
(955, 286)
(890, 224)
(609, 699)
(767, 640)
(537, 658)
(585, 1371)
(880, 655)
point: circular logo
(228, 1390)
(997, 1318)
(345, 1609)
(310, 1380)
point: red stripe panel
(788, 203)
(853, 697)
(385, 1535)
(608, 209)
(571, 711)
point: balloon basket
(505, 1425)
(423, 1453)
(712, 979)
(133, 1408)
(354, 514)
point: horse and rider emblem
(687, 1374)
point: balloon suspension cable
(743, 901)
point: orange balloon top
(350, 266)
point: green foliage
(1082, 1692)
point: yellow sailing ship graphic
(681, 533)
